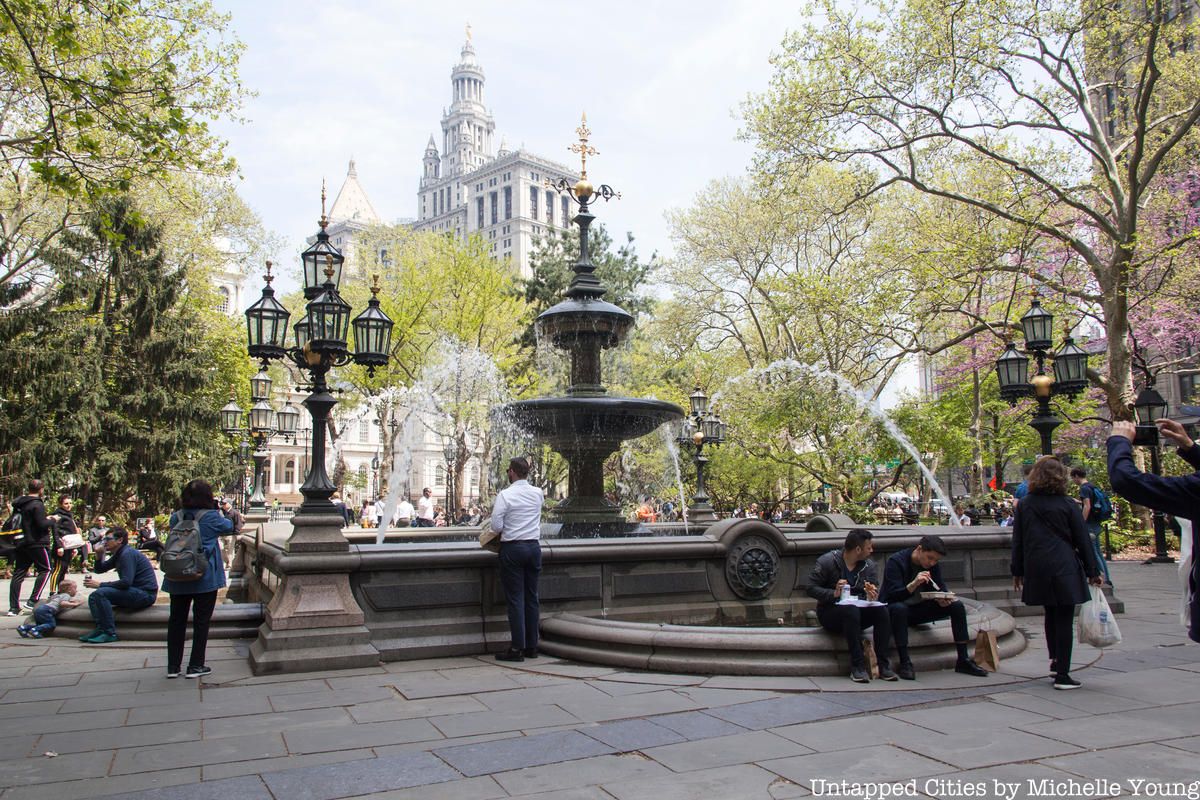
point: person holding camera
(196, 502)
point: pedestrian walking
(34, 551)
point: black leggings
(202, 606)
(1060, 632)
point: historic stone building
(471, 187)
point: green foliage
(115, 375)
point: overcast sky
(661, 82)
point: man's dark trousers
(520, 565)
(23, 559)
(904, 615)
(851, 620)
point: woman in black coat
(1051, 552)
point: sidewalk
(90, 721)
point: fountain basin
(573, 318)
(593, 426)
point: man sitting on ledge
(136, 586)
(905, 575)
(851, 568)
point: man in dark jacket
(34, 551)
(849, 571)
(905, 576)
(136, 586)
(233, 515)
(1179, 496)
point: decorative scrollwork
(752, 567)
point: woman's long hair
(1048, 476)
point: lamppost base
(1157, 559)
(313, 622)
(701, 513)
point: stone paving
(93, 721)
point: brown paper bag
(872, 663)
(987, 653)
(489, 540)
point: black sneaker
(173, 672)
(30, 604)
(860, 675)
(1065, 682)
(906, 671)
(886, 674)
(530, 652)
(197, 672)
(13, 612)
(511, 654)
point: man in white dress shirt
(425, 509)
(517, 517)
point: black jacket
(63, 525)
(38, 528)
(1051, 551)
(831, 568)
(1179, 496)
(899, 571)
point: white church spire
(351, 204)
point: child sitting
(45, 615)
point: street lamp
(321, 344)
(375, 488)
(450, 451)
(702, 426)
(1149, 407)
(1069, 371)
(263, 423)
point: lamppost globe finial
(324, 220)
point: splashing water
(668, 438)
(782, 369)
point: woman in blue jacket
(196, 501)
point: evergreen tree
(115, 377)
(621, 271)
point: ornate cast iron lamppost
(1149, 408)
(264, 422)
(314, 621)
(1069, 378)
(701, 427)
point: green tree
(117, 375)
(1079, 107)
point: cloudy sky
(661, 82)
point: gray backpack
(183, 557)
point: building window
(222, 300)
(533, 202)
(364, 430)
(495, 208)
(439, 476)
(289, 471)
(479, 212)
(1187, 387)
(550, 207)
(362, 477)
(508, 202)
(566, 211)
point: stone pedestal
(313, 622)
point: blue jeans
(520, 565)
(44, 619)
(102, 600)
(1094, 530)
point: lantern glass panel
(1149, 406)
(372, 335)
(711, 427)
(287, 418)
(1070, 367)
(1038, 325)
(266, 326)
(686, 429)
(231, 417)
(1012, 368)
(260, 386)
(262, 417)
(243, 450)
(315, 259)
(303, 330)
(329, 317)
(699, 402)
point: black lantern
(1038, 325)
(1012, 368)
(329, 318)
(260, 386)
(243, 451)
(266, 324)
(287, 419)
(303, 330)
(698, 401)
(1070, 368)
(449, 450)
(711, 426)
(262, 418)
(321, 255)
(231, 416)
(372, 334)
(1149, 406)
(375, 462)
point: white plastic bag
(1097, 625)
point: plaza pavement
(91, 721)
